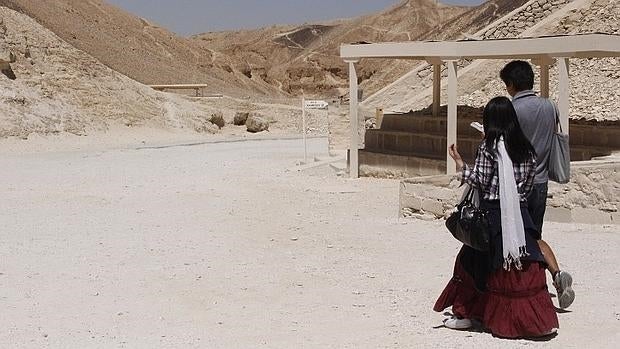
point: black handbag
(469, 224)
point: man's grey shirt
(537, 119)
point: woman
(506, 287)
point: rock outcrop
(240, 118)
(54, 87)
(256, 123)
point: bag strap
(558, 124)
(469, 197)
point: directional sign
(315, 104)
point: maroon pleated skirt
(516, 303)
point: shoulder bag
(559, 157)
(469, 224)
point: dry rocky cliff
(66, 71)
(594, 82)
(134, 46)
(52, 87)
(306, 58)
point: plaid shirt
(485, 176)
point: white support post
(353, 105)
(452, 117)
(436, 89)
(544, 62)
(563, 92)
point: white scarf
(513, 233)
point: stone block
(418, 190)
(610, 191)
(590, 216)
(443, 194)
(433, 206)
(615, 217)
(412, 202)
(558, 214)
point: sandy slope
(219, 246)
(134, 46)
(58, 88)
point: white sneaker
(552, 331)
(563, 282)
(457, 324)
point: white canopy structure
(543, 51)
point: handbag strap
(469, 197)
(558, 124)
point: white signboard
(315, 104)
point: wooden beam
(436, 89)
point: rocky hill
(48, 86)
(73, 78)
(135, 47)
(478, 80)
(296, 58)
(272, 61)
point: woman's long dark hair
(500, 119)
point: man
(537, 117)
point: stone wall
(510, 27)
(592, 196)
(429, 197)
(530, 14)
(602, 16)
(420, 78)
(380, 165)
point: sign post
(309, 104)
(303, 132)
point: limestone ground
(221, 246)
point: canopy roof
(542, 50)
(568, 46)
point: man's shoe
(563, 282)
(457, 324)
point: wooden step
(425, 145)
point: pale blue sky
(187, 17)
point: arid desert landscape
(137, 218)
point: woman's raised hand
(454, 153)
